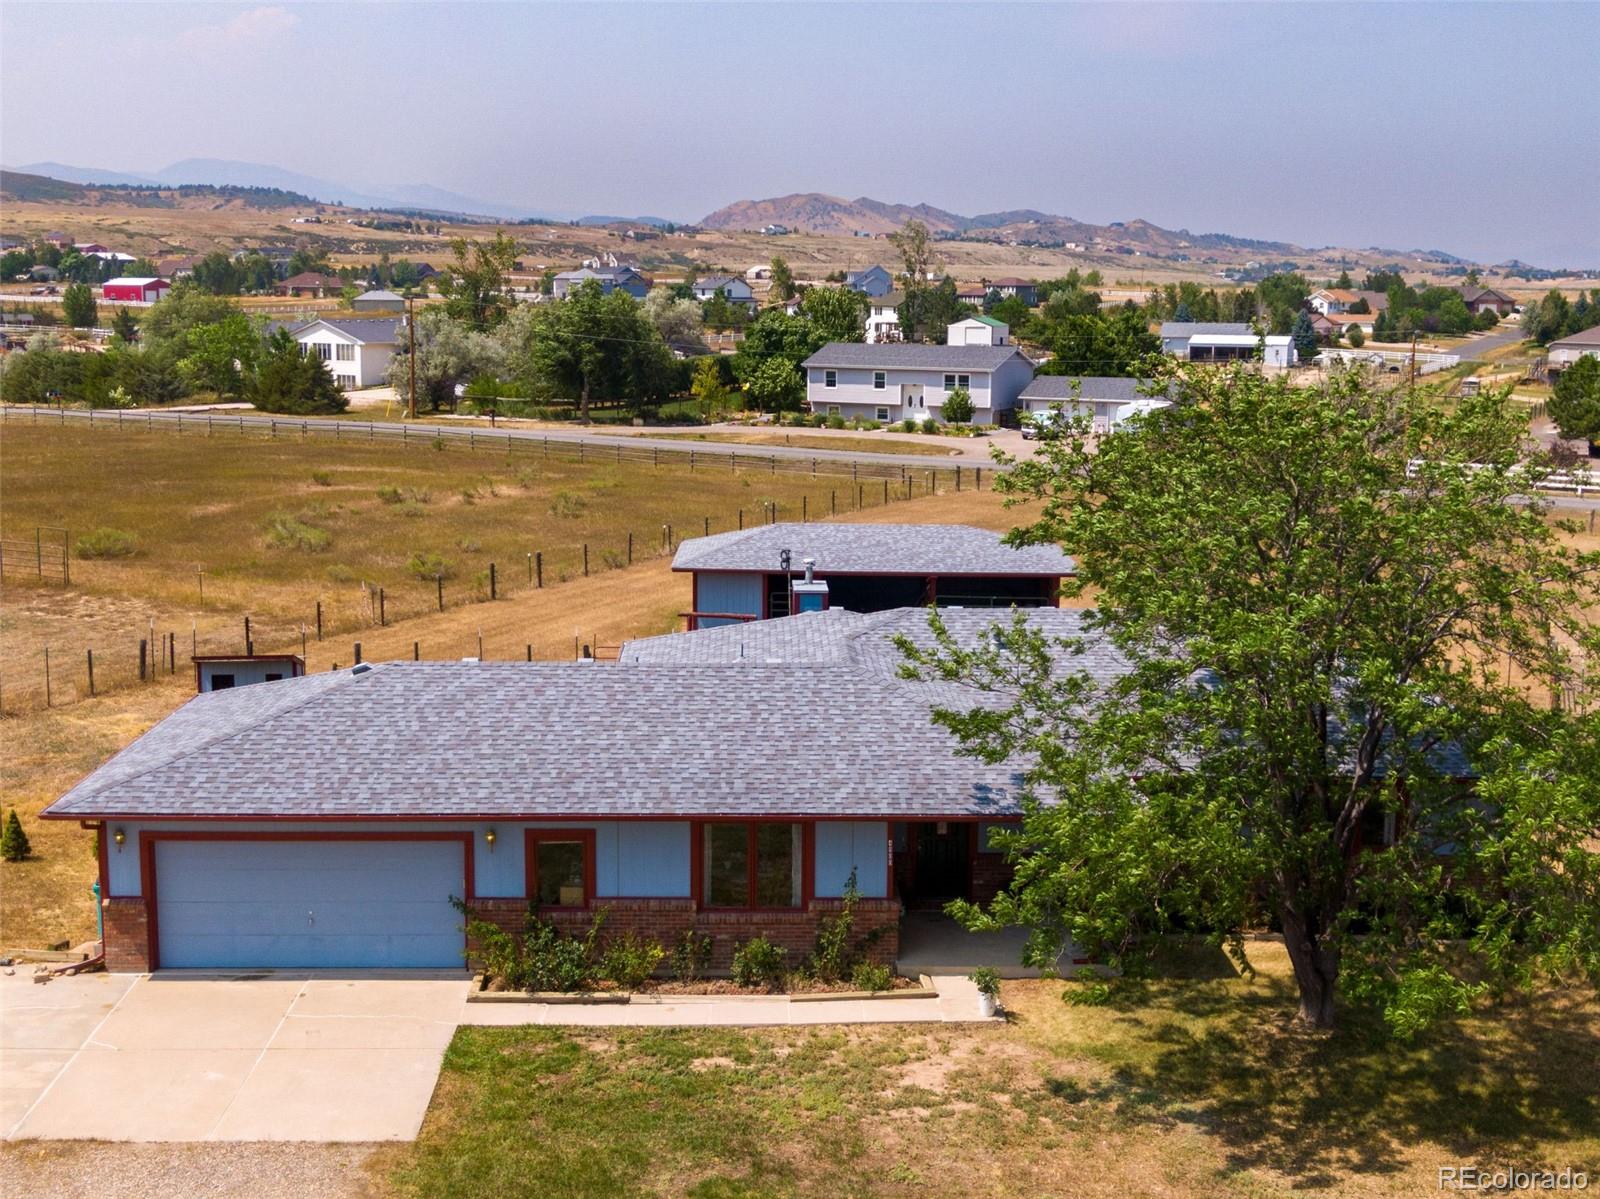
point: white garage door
(310, 904)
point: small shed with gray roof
(751, 574)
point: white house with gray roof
(736, 289)
(1225, 341)
(357, 352)
(610, 278)
(1106, 401)
(892, 381)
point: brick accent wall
(664, 920)
(990, 872)
(127, 933)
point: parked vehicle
(1041, 426)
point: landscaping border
(478, 994)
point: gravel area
(260, 1170)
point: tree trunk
(583, 402)
(1316, 968)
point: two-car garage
(317, 902)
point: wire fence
(517, 444)
(52, 673)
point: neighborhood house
(752, 574)
(891, 381)
(734, 289)
(357, 352)
(610, 278)
(1568, 350)
(870, 281)
(1224, 341)
(1107, 402)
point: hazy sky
(1473, 128)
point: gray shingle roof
(893, 355)
(1097, 387)
(529, 740)
(871, 549)
(866, 640)
(376, 331)
(1191, 328)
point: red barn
(134, 291)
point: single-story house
(972, 293)
(889, 381)
(610, 278)
(749, 574)
(1106, 401)
(134, 290)
(178, 268)
(59, 240)
(328, 821)
(871, 281)
(1343, 322)
(1477, 299)
(378, 301)
(883, 318)
(357, 351)
(733, 288)
(1224, 341)
(1568, 350)
(311, 284)
(1012, 288)
(87, 248)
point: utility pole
(1413, 360)
(411, 331)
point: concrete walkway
(264, 1057)
(956, 1001)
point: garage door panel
(264, 903)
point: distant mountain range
(814, 212)
(223, 172)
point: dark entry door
(941, 861)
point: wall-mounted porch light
(489, 839)
(121, 838)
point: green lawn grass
(1193, 1085)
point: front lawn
(1198, 1085)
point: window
(344, 352)
(951, 382)
(324, 350)
(274, 676)
(883, 414)
(986, 830)
(344, 382)
(755, 865)
(834, 410)
(221, 682)
(560, 867)
(880, 380)
(830, 378)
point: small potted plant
(987, 980)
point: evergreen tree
(14, 842)
(1305, 337)
(292, 382)
(125, 327)
(1575, 401)
(1182, 313)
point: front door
(911, 403)
(940, 863)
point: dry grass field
(190, 500)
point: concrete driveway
(264, 1057)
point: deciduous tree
(1575, 400)
(79, 307)
(1318, 729)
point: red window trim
(147, 863)
(530, 863)
(808, 854)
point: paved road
(1473, 350)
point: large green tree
(292, 382)
(449, 352)
(1317, 594)
(1118, 344)
(79, 307)
(474, 287)
(782, 279)
(1575, 400)
(592, 347)
(836, 313)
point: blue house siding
(859, 845)
(716, 591)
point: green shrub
(286, 531)
(426, 565)
(869, 976)
(836, 422)
(567, 504)
(14, 841)
(322, 478)
(105, 543)
(987, 980)
(405, 495)
(760, 963)
(340, 573)
(957, 407)
(612, 559)
(629, 960)
(929, 425)
(542, 958)
(690, 956)
(908, 425)
(830, 959)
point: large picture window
(752, 865)
(560, 867)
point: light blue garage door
(227, 904)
